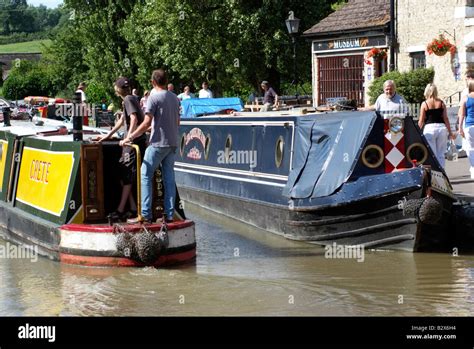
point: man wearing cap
(270, 97)
(132, 117)
(162, 112)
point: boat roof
(53, 130)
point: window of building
(418, 60)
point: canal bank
(458, 173)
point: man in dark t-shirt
(270, 97)
(132, 117)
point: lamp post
(293, 25)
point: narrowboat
(56, 193)
(349, 177)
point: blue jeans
(154, 156)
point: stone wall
(7, 60)
(419, 22)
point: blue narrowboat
(351, 177)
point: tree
(28, 79)
(232, 43)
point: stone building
(341, 43)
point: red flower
(376, 53)
(440, 46)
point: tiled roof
(356, 14)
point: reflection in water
(241, 270)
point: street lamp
(293, 25)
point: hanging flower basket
(440, 46)
(375, 53)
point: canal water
(244, 271)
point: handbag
(452, 153)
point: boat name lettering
(196, 133)
(39, 171)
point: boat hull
(358, 223)
(94, 245)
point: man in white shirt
(390, 102)
(205, 92)
(80, 89)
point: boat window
(182, 145)
(372, 156)
(207, 146)
(418, 152)
(228, 147)
(280, 145)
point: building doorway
(341, 76)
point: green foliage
(97, 91)
(28, 79)
(302, 89)
(411, 85)
(338, 5)
(17, 17)
(232, 44)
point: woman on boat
(466, 130)
(132, 117)
(186, 94)
(434, 123)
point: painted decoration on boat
(44, 179)
(194, 154)
(3, 160)
(196, 133)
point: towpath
(458, 173)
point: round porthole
(182, 145)
(228, 147)
(279, 148)
(207, 146)
(418, 152)
(372, 156)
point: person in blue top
(467, 132)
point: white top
(183, 96)
(83, 95)
(394, 105)
(205, 93)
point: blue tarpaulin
(195, 107)
(326, 153)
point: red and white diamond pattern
(394, 149)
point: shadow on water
(241, 270)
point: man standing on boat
(162, 113)
(270, 97)
(390, 102)
(205, 92)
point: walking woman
(434, 123)
(467, 114)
